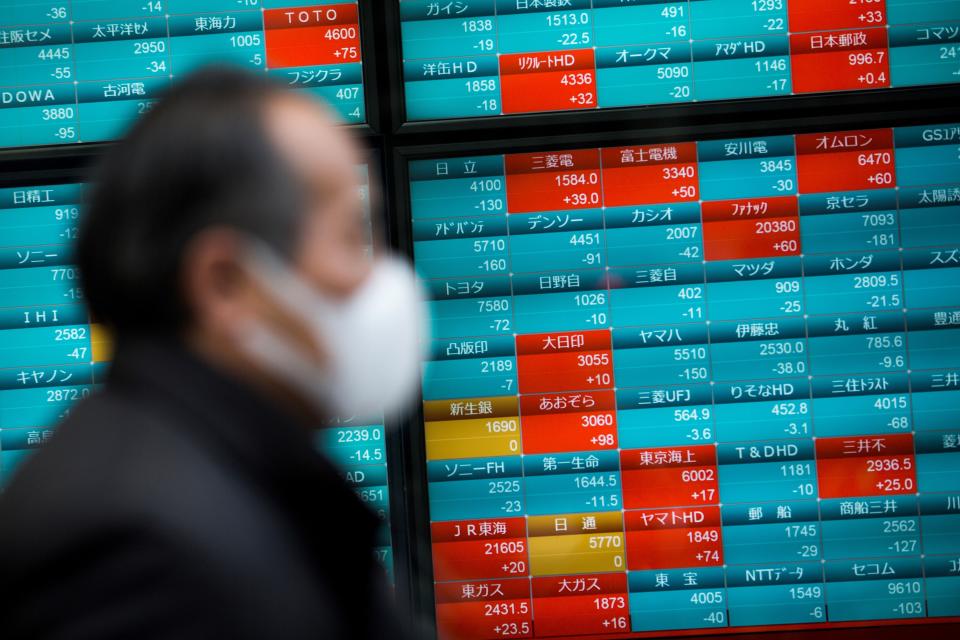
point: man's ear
(214, 285)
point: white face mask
(373, 340)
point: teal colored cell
(934, 349)
(871, 537)
(547, 312)
(639, 85)
(461, 35)
(31, 65)
(921, 65)
(239, 48)
(932, 287)
(655, 244)
(765, 481)
(454, 198)
(39, 407)
(26, 227)
(769, 542)
(45, 346)
(660, 304)
(332, 438)
(452, 257)
(743, 421)
(850, 415)
(733, 179)
(939, 471)
(346, 101)
(935, 410)
(359, 453)
(940, 533)
(110, 119)
(740, 78)
(928, 226)
(925, 155)
(25, 12)
(444, 379)
(849, 231)
(645, 428)
(36, 286)
(856, 292)
(113, 9)
(943, 596)
(663, 365)
(437, 99)
(469, 499)
(122, 59)
(570, 493)
(453, 318)
(545, 31)
(26, 125)
(776, 604)
(546, 251)
(913, 11)
(870, 600)
(756, 359)
(617, 24)
(652, 611)
(851, 354)
(753, 299)
(727, 18)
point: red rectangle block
(306, 36)
(756, 228)
(673, 538)
(666, 477)
(650, 174)
(839, 60)
(569, 422)
(855, 466)
(553, 181)
(821, 15)
(569, 342)
(548, 81)
(472, 549)
(484, 609)
(578, 605)
(845, 161)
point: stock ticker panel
(51, 355)
(697, 385)
(81, 71)
(474, 58)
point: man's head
(226, 162)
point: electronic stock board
(52, 356)
(81, 71)
(476, 58)
(706, 385)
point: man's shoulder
(116, 461)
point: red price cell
(548, 81)
(305, 36)
(754, 228)
(578, 361)
(673, 538)
(822, 15)
(581, 604)
(670, 476)
(839, 60)
(471, 549)
(845, 161)
(855, 466)
(569, 422)
(650, 174)
(553, 181)
(484, 609)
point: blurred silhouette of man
(224, 246)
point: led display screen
(51, 355)
(81, 71)
(475, 58)
(695, 385)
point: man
(224, 246)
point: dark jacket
(177, 503)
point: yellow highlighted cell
(101, 343)
(477, 438)
(580, 553)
